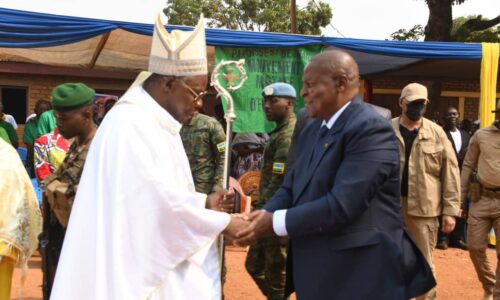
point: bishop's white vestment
(138, 229)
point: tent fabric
(116, 45)
(21, 29)
(489, 67)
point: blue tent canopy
(21, 29)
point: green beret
(71, 95)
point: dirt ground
(455, 276)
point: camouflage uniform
(53, 233)
(266, 259)
(204, 141)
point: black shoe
(442, 245)
(459, 244)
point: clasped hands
(243, 229)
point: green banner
(264, 66)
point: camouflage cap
(71, 95)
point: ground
(455, 276)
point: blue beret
(279, 89)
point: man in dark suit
(460, 141)
(303, 119)
(339, 205)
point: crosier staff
(230, 116)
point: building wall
(40, 87)
(461, 94)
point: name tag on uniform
(221, 146)
(278, 168)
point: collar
(284, 123)
(335, 116)
(141, 98)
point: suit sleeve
(282, 199)
(371, 157)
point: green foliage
(461, 33)
(312, 18)
(185, 12)
(414, 34)
(251, 15)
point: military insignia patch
(268, 91)
(278, 168)
(221, 147)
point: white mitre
(178, 53)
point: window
(15, 102)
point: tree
(416, 33)
(441, 27)
(440, 24)
(461, 33)
(251, 15)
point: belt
(495, 190)
(491, 193)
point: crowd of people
(350, 205)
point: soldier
(204, 141)
(483, 157)
(266, 259)
(72, 104)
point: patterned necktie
(319, 142)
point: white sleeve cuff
(279, 222)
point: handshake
(243, 229)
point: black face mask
(415, 110)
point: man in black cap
(72, 104)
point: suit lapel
(465, 141)
(327, 144)
(450, 138)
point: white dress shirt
(457, 139)
(279, 216)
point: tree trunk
(438, 26)
(434, 90)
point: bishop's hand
(261, 226)
(236, 225)
(221, 201)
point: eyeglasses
(197, 96)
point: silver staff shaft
(230, 116)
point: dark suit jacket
(384, 112)
(347, 238)
(465, 144)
